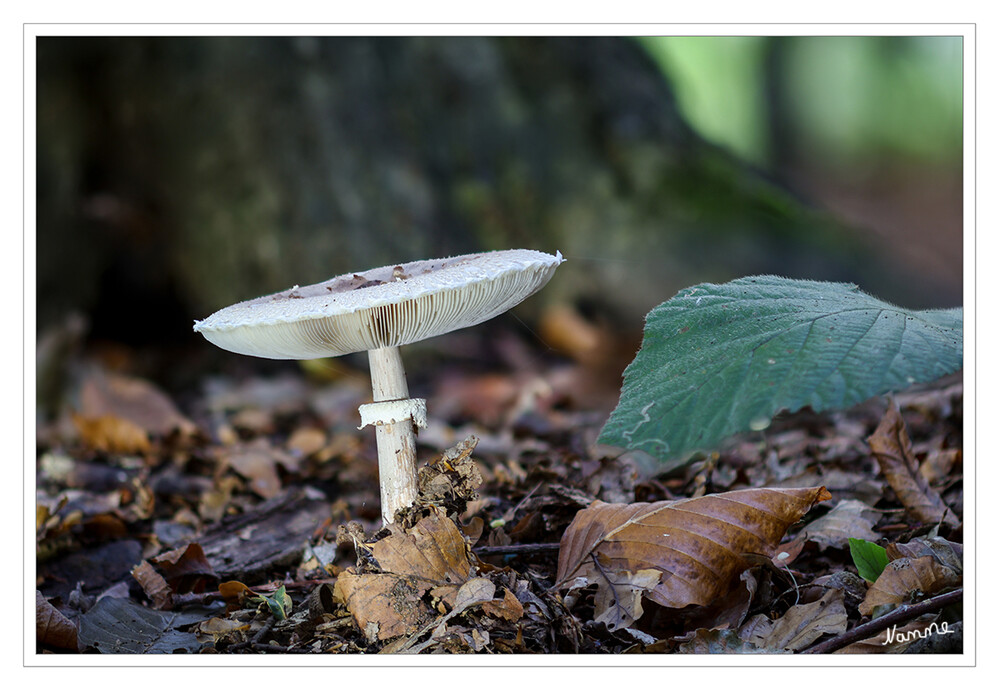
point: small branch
(903, 614)
(257, 639)
(277, 649)
(514, 549)
(180, 601)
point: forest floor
(242, 517)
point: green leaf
(721, 359)
(869, 558)
(278, 603)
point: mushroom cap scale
(382, 307)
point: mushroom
(377, 311)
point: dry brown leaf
(306, 441)
(849, 518)
(565, 330)
(707, 641)
(234, 591)
(53, 629)
(805, 623)
(111, 434)
(257, 463)
(433, 551)
(432, 557)
(891, 446)
(509, 608)
(478, 590)
(213, 504)
(939, 464)
(905, 577)
(696, 544)
(947, 553)
(756, 629)
(219, 627)
(186, 569)
(154, 585)
(620, 605)
(728, 611)
(383, 605)
(134, 400)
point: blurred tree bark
(178, 175)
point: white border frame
(967, 31)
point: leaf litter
(244, 519)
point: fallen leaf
(848, 519)
(891, 446)
(383, 605)
(565, 330)
(728, 611)
(111, 434)
(212, 504)
(53, 629)
(719, 642)
(756, 630)
(234, 592)
(509, 608)
(257, 463)
(478, 590)
(134, 400)
(431, 557)
(219, 627)
(433, 551)
(946, 553)
(939, 463)
(254, 421)
(620, 604)
(905, 577)
(154, 585)
(696, 544)
(803, 624)
(853, 586)
(869, 558)
(120, 626)
(186, 569)
(306, 441)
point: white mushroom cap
(383, 307)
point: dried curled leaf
(432, 557)
(891, 445)
(53, 629)
(697, 545)
(905, 577)
(383, 605)
(186, 569)
(803, 624)
(433, 551)
(509, 608)
(849, 519)
(947, 553)
(154, 585)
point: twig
(277, 649)
(257, 639)
(194, 599)
(516, 549)
(903, 614)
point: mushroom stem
(396, 440)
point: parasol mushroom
(377, 311)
